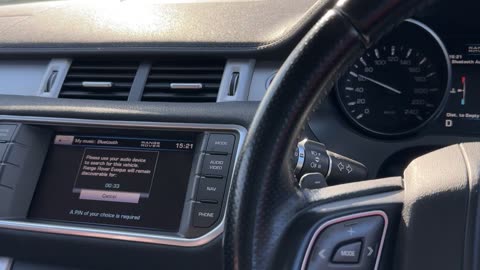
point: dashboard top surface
(168, 24)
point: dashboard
(127, 140)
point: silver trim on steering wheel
(301, 156)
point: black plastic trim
(237, 113)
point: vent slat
(76, 84)
(100, 76)
(206, 73)
(174, 97)
(80, 94)
(118, 76)
(187, 68)
(186, 77)
(108, 68)
(166, 87)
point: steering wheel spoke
(353, 219)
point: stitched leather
(264, 198)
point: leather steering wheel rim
(264, 196)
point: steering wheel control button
(216, 165)
(352, 242)
(349, 253)
(6, 132)
(211, 190)
(205, 214)
(220, 143)
(313, 181)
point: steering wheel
(426, 219)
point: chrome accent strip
(97, 84)
(347, 218)
(188, 86)
(301, 157)
(6, 263)
(112, 233)
(329, 165)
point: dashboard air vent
(184, 81)
(104, 80)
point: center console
(161, 183)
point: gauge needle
(381, 84)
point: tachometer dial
(397, 86)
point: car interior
(239, 134)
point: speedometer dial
(399, 85)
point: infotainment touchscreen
(123, 181)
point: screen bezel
(183, 238)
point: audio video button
(216, 165)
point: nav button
(210, 190)
(205, 214)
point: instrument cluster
(398, 86)
(414, 80)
